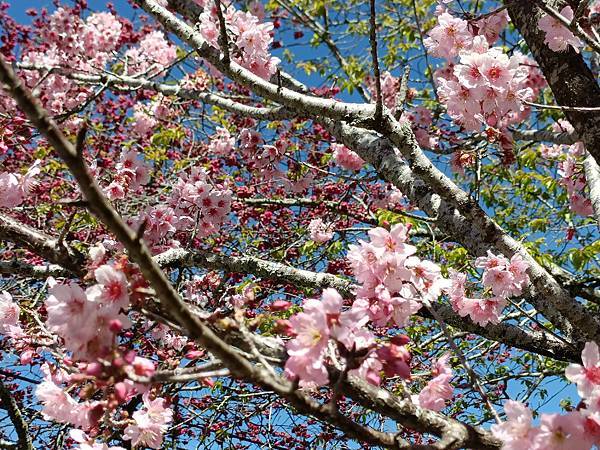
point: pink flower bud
(94, 369)
(194, 354)
(121, 392)
(115, 326)
(143, 367)
(26, 357)
(280, 305)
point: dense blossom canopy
(294, 224)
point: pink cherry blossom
(133, 167)
(61, 407)
(221, 143)
(390, 240)
(12, 194)
(558, 37)
(111, 290)
(561, 432)
(306, 350)
(586, 376)
(143, 122)
(150, 423)
(101, 33)
(319, 231)
(346, 158)
(449, 37)
(517, 432)
(87, 443)
(438, 390)
(82, 319)
(153, 51)
(395, 358)
(199, 203)
(505, 278)
(249, 35)
(14, 188)
(482, 310)
(9, 316)
(574, 179)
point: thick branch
(537, 342)
(41, 244)
(302, 103)
(564, 138)
(18, 268)
(463, 221)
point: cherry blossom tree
(300, 224)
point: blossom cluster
(87, 443)
(71, 42)
(557, 36)
(262, 159)
(393, 281)
(88, 320)
(60, 406)
(578, 429)
(480, 85)
(221, 143)
(321, 320)
(87, 46)
(346, 158)
(131, 173)
(394, 285)
(569, 169)
(15, 187)
(196, 202)
(434, 395)
(9, 316)
(503, 277)
(152, 55)
(147, 427)
(574, 180)
(150, 423)
(319, 231)
(251, 38)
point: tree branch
(118, 81)
(41, 244)
(592, 176)
(16, 417)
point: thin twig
(223, 40)
(583, 4)
(564, 108)
(472, 375)
(376, 73)
(402, 93)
